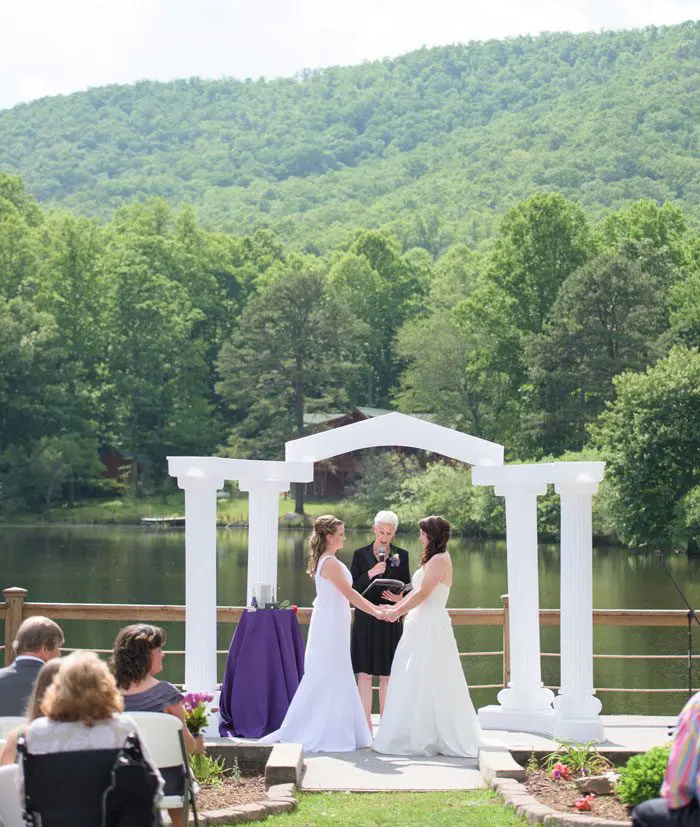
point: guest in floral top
(136, 659)
(678, 805)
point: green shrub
(353, 514)
(641, 777)
(685, 528)
(447, 489)
(382, 476)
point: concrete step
(366, 771)
(499, 763)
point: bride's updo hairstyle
(437, 530)
(324, 527)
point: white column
(200, 580)
(263, 531)
(576, 708)
(525, 705)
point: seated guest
(136, 659)
(38, 640)
(82, 707)
(678, 805)
(47, 673)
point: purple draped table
(264, 667)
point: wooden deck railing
(16, 608)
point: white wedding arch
(526, 705)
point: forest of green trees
(149, 334)
(433, 146)
(503, 236)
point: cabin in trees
(333, 476)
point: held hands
(390, 615)
(377, 569)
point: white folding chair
(10, 807)
(10, 722)
(162, 735)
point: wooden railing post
(506, 640)
(14, 611)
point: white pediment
(395, 429)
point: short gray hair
(386, 517)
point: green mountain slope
(436, 143)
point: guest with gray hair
(373, 642)
(38, 641)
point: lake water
(107, 564)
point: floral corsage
(394, 559)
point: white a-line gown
(428, 709)
(326, 713)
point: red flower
(584, 803)
(561, 771)
(295, 609)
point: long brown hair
(324, 527)
(45, 678)
(438, 531)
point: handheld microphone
(382, 554)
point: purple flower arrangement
(196, 714)
(394, 559)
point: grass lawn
(128, 510)
(478, 808)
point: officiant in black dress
(373, 642)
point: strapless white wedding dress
(326, 713)
(428, 709)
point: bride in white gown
(428, 710)
(326, 713)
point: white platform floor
(367, 771)
(627, 732)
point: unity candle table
(263, 669)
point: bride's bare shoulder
(329, 566)
(438, 562)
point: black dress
(373, 642)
